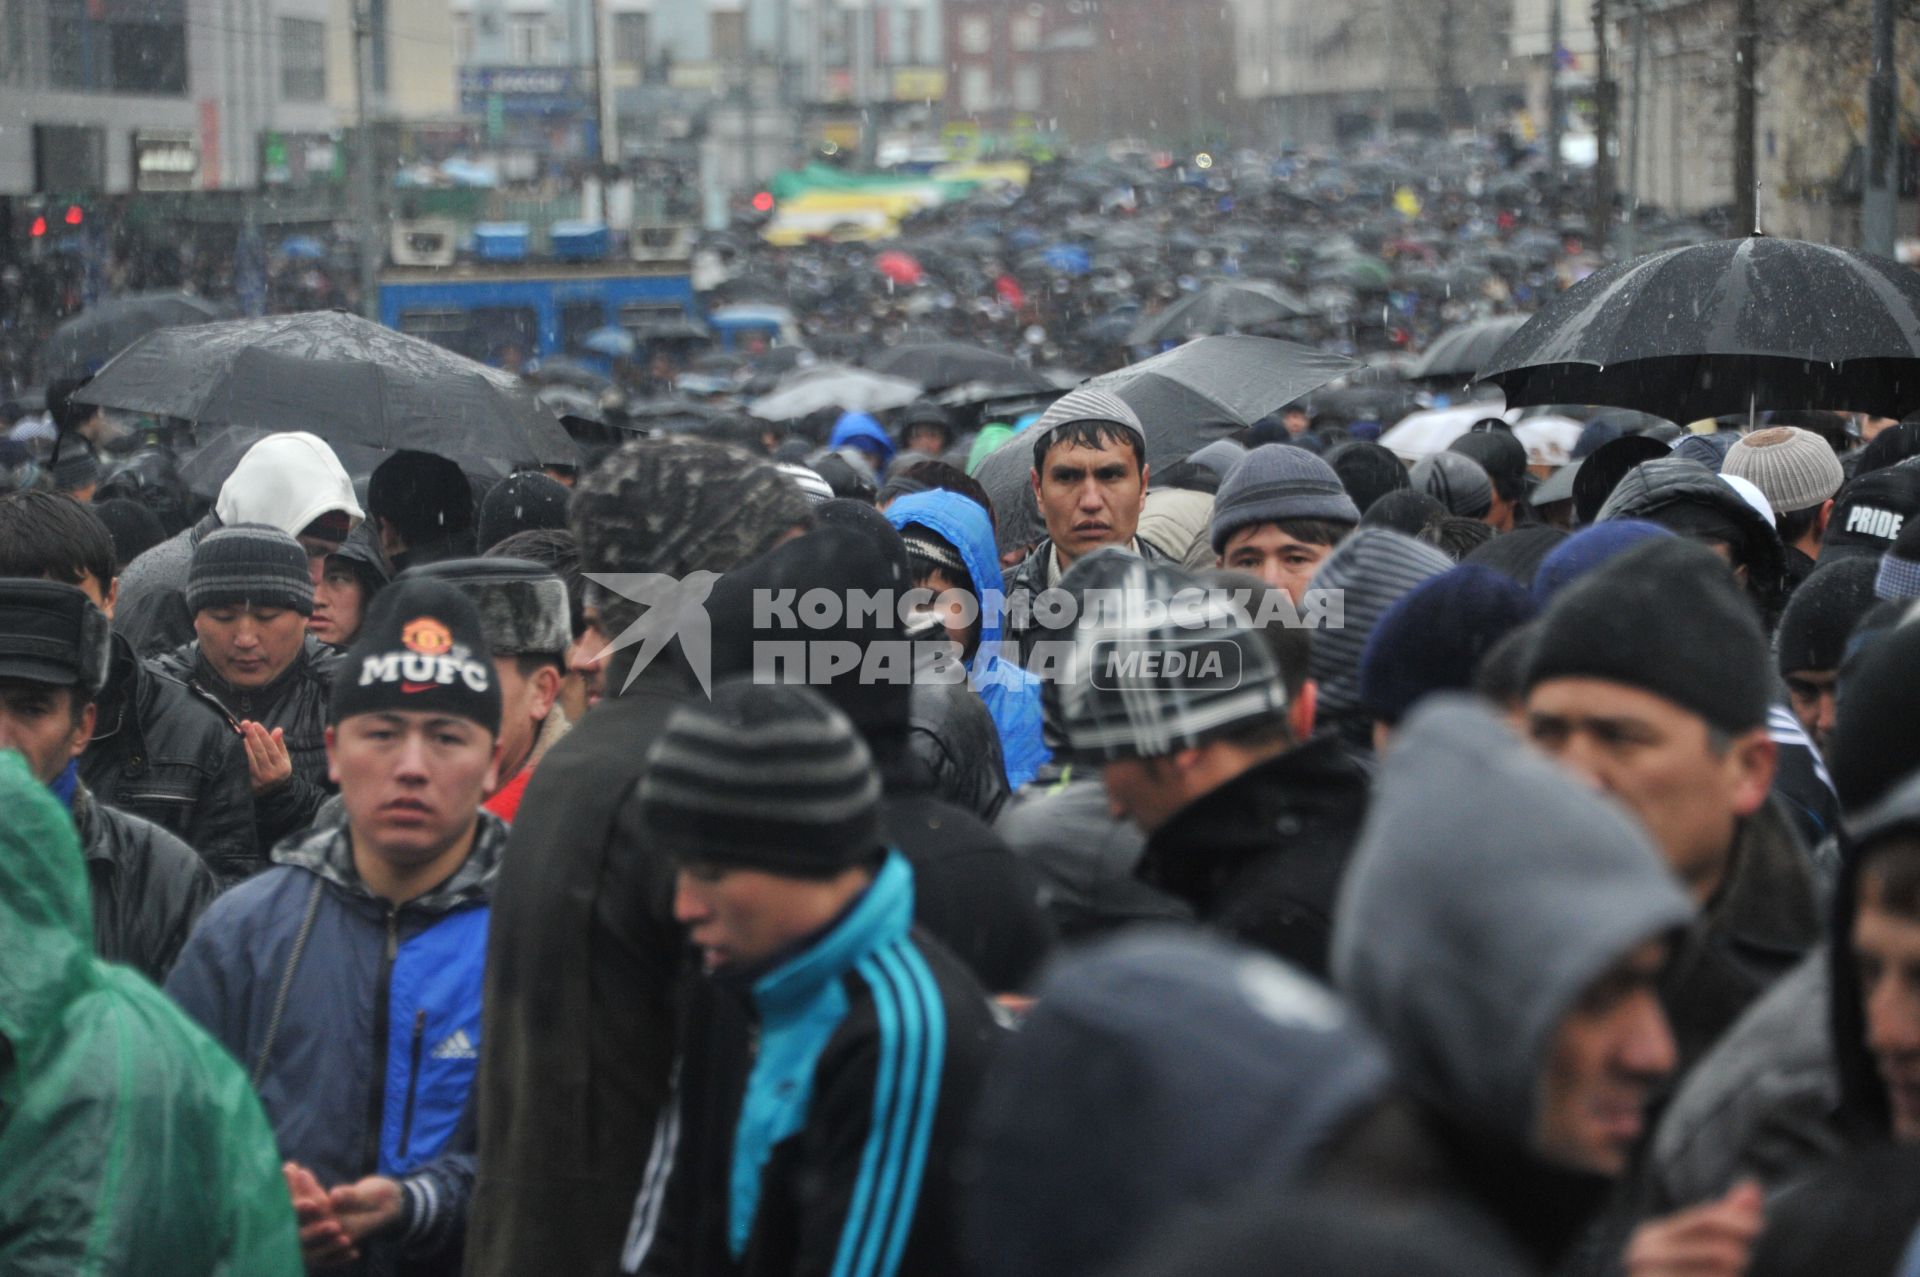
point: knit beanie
(522, 605)
(521, 502)
(1871, 512)
(1433, 638)
(1368, 471)
(928, 552)
(1821, 615)
(762, 777)
(1899, 575)
(75, 467)
(1457, 482)
(420, 648)
(1587, 549)
(1502, 456)
(249, 565)
(677, 506)
(1793, 468)
(1668, 618)
(1710, 450)
(1372, 569)
(1406, 511)
(1275, 482)
(1089, 403)
(1874, 746)
(1602, 472)
(1519, 553)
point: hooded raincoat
(129, 1141)
(1011, 694)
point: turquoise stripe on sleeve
(887, 1017)
(899, 1126)
(935, 1010)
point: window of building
(976, 88)
(527, 39)
(630, 39)
(96, 55)
(1023, 33)
(303, 60)
(976, 33)
(729, 36)
(1027, 87)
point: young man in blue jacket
(822, 1139)
(347, 978)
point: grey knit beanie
(1278, 481)
(1457, 482)
(249, 564)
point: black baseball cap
(1870, 512)
(52, 633)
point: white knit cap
(1792, 467)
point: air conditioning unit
(425, 241)
(661, 242)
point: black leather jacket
(951, 732)
(170, 754)
(296, 702)
(147, 886)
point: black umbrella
(940, 364)
(1461, 352)
(207, 467)
(344, 378)
(1220, 308)
(100, 332)
(1186, 398)
(1725, 327)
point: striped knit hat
(249, 564)
(1372, 569)
(1160, 663)
(1089, 403)
(763, 777)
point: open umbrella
(899, 267)
(1459, 353)
(303, 248)
(612, 341)
(806, 391)
(1221, 308)
(940, 364)
(100, 332)
(1726, 327)
(344, 378)
(1419, 436)
(207, 467)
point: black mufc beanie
(1668, 618)
(1822, 613)
(421, 648)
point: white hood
(287, 481)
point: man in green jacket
(129, 1142)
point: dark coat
(1029, 581)
(1085, 858)
(298, 703)
(1763, 921)
(147, 886)
(953, 735)
(971, 892)
(582, 964)
(166, 752)
(1261, 857)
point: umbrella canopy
(1724, 327)
(1220, 308)
(612, 341)
(1199, 392)
(899, 267)
(560, 370)
(1549, 440)
(302, 248)
(940, 364)
(1461, 352)
(809, 390)
(344, 378)
(207, 467)
(1424, 433)
(100, 332)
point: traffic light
(763, 202)
(38, 227)
(74, 215)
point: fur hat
(522, 604)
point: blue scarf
(65, 783)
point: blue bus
(542, 309)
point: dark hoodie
(1694, 501)
(1487, 893)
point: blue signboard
(524, 91)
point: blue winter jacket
(1012, 694)
(856, 429)
(359, 1023)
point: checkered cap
(1159, 662)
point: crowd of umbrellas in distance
(1401, 294)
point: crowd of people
(779, 856)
